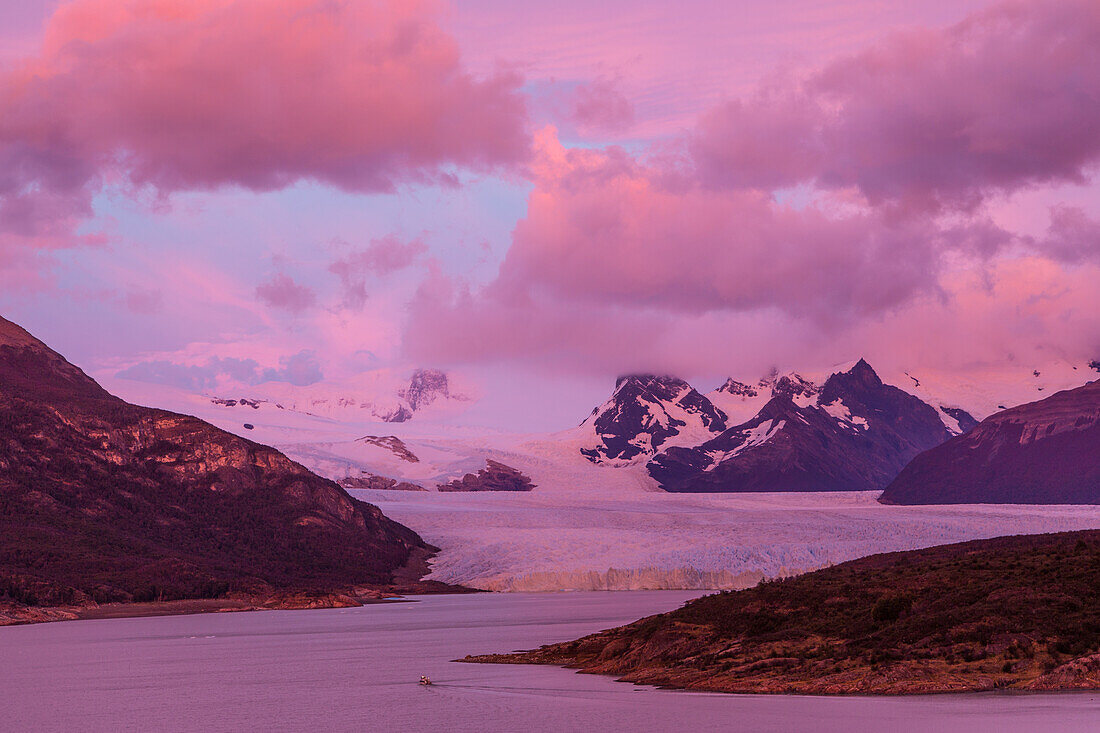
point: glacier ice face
(569, 541)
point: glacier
(592, 527)
(651, 541)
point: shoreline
(27, 615)
(406, 580)
(791, 689)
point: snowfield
(546, 542)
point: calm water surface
(356, 670)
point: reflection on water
(357, 669)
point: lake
(356, 670)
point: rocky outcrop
(494, 477)
(1045, 452)
(391, 443)
(400, 413)
(243, 402)
(378, 483)
(105, 501)
(1082, 673)
(738, 389)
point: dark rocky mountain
(102, 500)
(965, 419)
(644, 412)
(1006, 613)
(1045, 452)
(853, 433)
(425, 387)
(496, 476)
(738, 389)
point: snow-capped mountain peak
(794, 385)
(737, 389)
(741, 401)
(645, 412)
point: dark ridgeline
(1045, 452)
(101, 500)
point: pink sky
(551, 194)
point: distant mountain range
(853, 432)
(102, 500)
(374, 397)
(1045, 452)
(847, 429)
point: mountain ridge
(1043, 452)
(132, 503)
(852, 432)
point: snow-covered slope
(985, 391)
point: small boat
(424, 680)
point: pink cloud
(24, 271)
(282, 292)
(600, 106)
(832, 201)
(210, 93)
(1073, 237)
(602, 227)
(383, 256)
(300, 369)
(143, 301)
(1028, 310)
(1009, 97)
(1020, 309)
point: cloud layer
(1010, 97)
(202, 94)
(824, 203)
(299, 369)
(931, 194)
